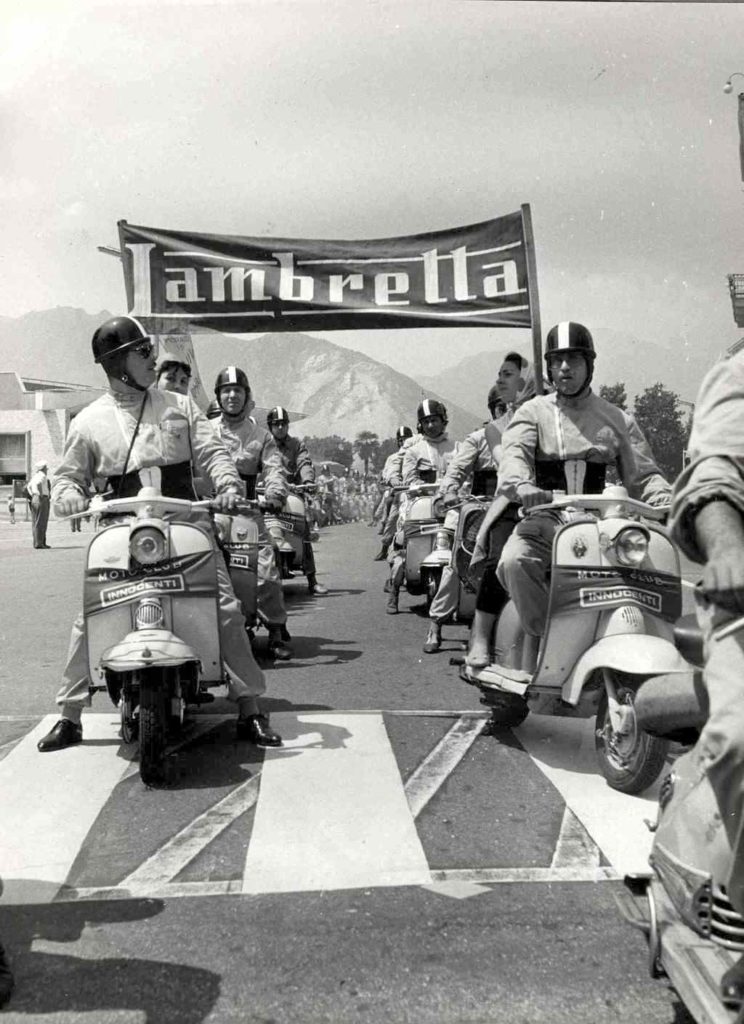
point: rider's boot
(381, 554)
(433, 637)
(278, 649)
(479, 654)
(392, 602)
(314, 587)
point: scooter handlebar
(600, 501)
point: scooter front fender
(147, 648)
(439, 558)
(633, 654)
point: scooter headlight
(442, 541)
(631, 546)
(147, 545)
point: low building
(35, 416)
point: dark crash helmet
(214, 409)
(277, 415)
(402, 433)
(431, 407)
(232, 375)
(569, 336)
(115, 336)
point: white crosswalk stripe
(331, 812)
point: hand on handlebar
(226, 501)
(273, 504)
(723, 580)
(531, 495)
(70, 504)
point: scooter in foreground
(150, 616)
(694, 934)
(614, 595)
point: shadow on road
(319, 649)
(49, 982)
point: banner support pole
(529, 248)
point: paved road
(390, 863)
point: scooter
(290, 529)
(151, 616)
(422, 531)
(694, 934)
(615, 594)
(454, 543)
(237, 536)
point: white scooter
(151, 616)
(694, 934)
(615, 594)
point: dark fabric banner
(472, 276)
(598, 589)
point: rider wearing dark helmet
(300, 470)
(135, 436)
(254, 452)
(566, 440)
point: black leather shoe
(256, 729)
(64, 734)
(6, 978)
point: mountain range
(338, 390)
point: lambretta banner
(656, 592)
(475, 276)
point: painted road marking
(332, 812)
(615, 821)
(437, 766)
(49, 803)
(179, 851)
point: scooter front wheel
(629, 758)
(153, 727)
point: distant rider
(514, 386)
(474, 468)
(174, 375)
(390, 478)
(136, 436)
(707, 520)
(254, 451)
(425, 460)
(300, 471)
(565, 441)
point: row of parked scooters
(618, 650)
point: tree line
(658, 412)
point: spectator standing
(38, 491)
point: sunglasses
(144, 349)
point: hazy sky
(356, 119)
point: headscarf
(528, 389)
